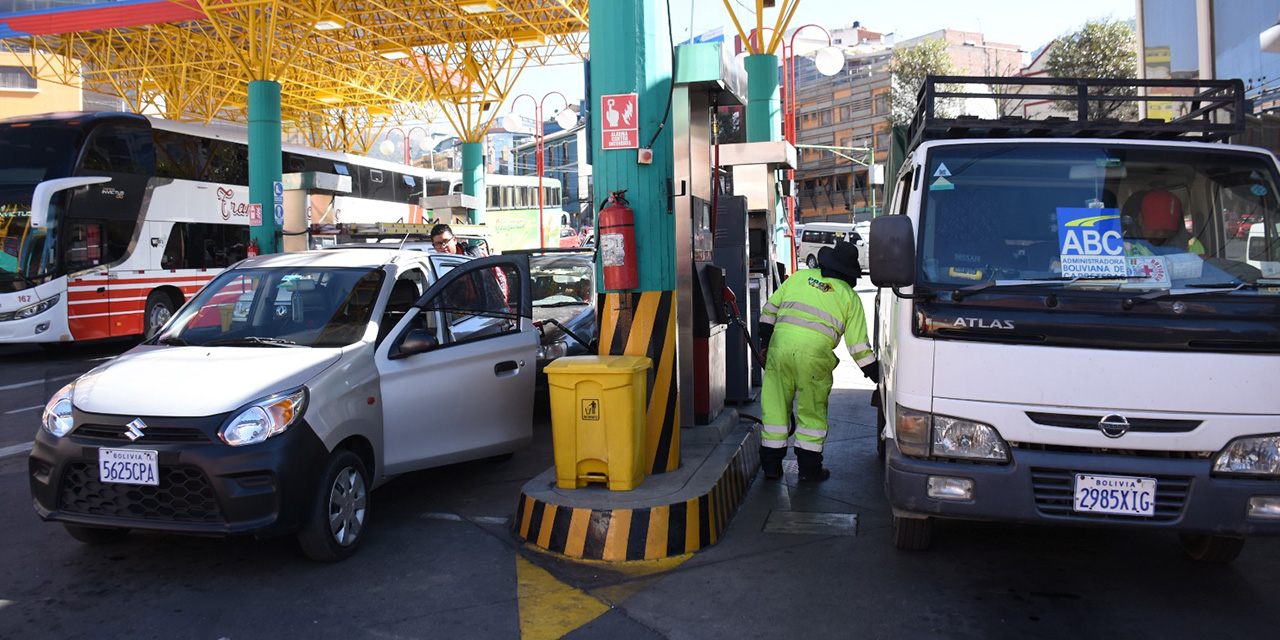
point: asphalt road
(440, 561)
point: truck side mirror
(893, 254)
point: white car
(286, 390)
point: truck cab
(1069, 334)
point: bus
(134, 214)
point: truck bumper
(1038, 487)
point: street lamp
(829, 61)
(566, 118)
(387, 147)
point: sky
(1029, 25)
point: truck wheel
(912, 534)
(338, 511)
(96, 535)
(1210, 548)
(158, 311)
(811, 262)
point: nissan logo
(1113, 425)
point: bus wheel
(1210, 548)
(811, 262)
(158, 311)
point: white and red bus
(134, 214)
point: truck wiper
(252, 341)
(1221, 287)
(960, 294)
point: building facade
(564, 159)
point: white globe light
(829, 61)
(387, 147)
(425, 143)
(566, 119)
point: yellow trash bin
(598, 420)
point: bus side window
(119, 149)
(84, 244)
(175, 250)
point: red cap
(1161, 211)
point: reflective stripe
(815, 312)
(809, 446)
(773, 430)
(768, 319)
(810, 324)
(858, 348)
(865, 360)
(770, 308)
(771, 443)
(813, 433)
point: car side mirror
(893, 254)
(415, 342)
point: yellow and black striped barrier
(644, 324)
(642, 533)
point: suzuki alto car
(287, 389)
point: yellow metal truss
(759, 44)
(346, 68)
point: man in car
(1162, 229)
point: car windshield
(560, 281)
(279, 307)
(1114, 217)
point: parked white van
(817, 235)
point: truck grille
(1055, 489)
(152, 435)
(183, 495)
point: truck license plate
(1121, 495)
(128, 466)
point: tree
(1100, 49)
(910, 65)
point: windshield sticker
(941, 184)
(942, 171)
(1258, 190)
(1148, 270)
(1090, 243)
(1108, 162)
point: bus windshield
(26, 259)
(1100, 216)
(31, 152)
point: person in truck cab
(799, 326)
(1161, 229)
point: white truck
(1067, 333)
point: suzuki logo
(135, 429)
(1113, 425)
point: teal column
(264, 159)
(473, 176)
(637, 60)
(764, 111)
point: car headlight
(1257, 455)
(37, 308)
(265, 418)
(57, 418)
(920, 434)
(552, 350)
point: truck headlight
(57, 418)
(957, 438)
(37, 308)
(912, 432)
(265, 418)
(1256, 455)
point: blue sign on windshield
(1091, 243)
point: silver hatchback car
(286, 390)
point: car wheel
(158, 311)
(1210, 548)
(339, 510)
(912, 534)
(96, 535)
(811, 262)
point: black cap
(843, 258)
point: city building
(564, 159)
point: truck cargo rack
(1211, 110)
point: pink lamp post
(388, 146)
(565, 118)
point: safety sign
(619, 121)
(1091, 243)
(590, 409)
(279, 214)
(255, 215)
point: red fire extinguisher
(253, 248)
(617, 237)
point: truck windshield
(1122, 217)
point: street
(813, 561)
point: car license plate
(1121, 495)
(128, 466)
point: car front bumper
(206, 486)
(1038, 487)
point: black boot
(771, 462)
(810, 463)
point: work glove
(872, 371)
(766, 332)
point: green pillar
(264, 159)
(764, 113)
(473, 176)
(637, 60)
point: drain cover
(812, 523)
